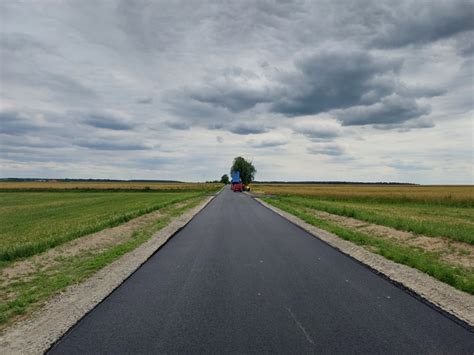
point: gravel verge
(445, 298)
(44, 327)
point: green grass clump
(427, 262)
(33, 222)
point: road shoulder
(45, 326)
(453, 302)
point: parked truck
(236, 183)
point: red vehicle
(236, 184)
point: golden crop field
(106, 185)
(438, 194)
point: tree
(225, 179)
(245, 168)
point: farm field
(427, 227)
(107, 186)
(33, 222)
(52, 239)
(435, 194)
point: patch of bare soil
(451, 252)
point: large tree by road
(246, 169)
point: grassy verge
(26, 294)
(33, 222)
(427, 262)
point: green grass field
(33, 222)
(20, 295)
(436, 211)
(434, 220)
(36, 217)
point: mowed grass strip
(32, 222)
(435, 211)
(428, 262)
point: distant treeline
(332, 183)
(86, 180)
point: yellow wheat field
(457, 195)
(95, 185)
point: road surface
(239, 278)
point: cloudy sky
(308, 90)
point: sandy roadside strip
(44, 327)
(450, 300)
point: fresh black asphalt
(241, 279)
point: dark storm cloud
(419, 91)
(15, 123)
(326, 149)
(328, 79)
(108, 144)
(318, 131)
(343, 77)
(465, 44)
(182, 106)
(179, 125)
(421, 22)
(233, 99)
(267, 142)
(390, 110)
(365, 85)
(107, 121)
(232, 88)
(335, 79)
(145, 100)
(419, 123)
(245, 128)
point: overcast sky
(308, 90)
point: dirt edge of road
(456, 303)
(39, 332)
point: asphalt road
(239, 278)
